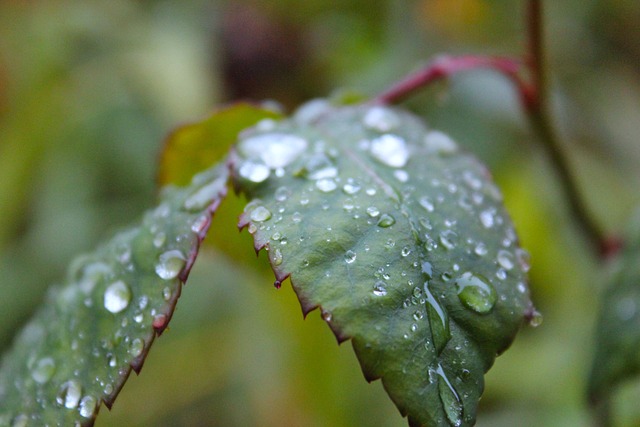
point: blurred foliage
(88, 90)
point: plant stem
(536, 106)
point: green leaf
(80, 347)
(400, 239)
(191, 148)
(617, 350)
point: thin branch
(446, 66)
(536, 105)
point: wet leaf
(399, 238)
(80, 347)
(194, 147)
(617, 355)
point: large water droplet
(319, 166)
(476, 293)
(438, 321)
(351, 187)
(381, 119)
(69, 394)
(117, 297)
(379, 289)
(449, 398)
(439, 143)
(350, 257)
(448, 239)
(326, 185)
(276, 150)
(277, 257)
(535, 319)
(260, 214)
(87, 406)
(390, 150)
(386, 220)
(136, 347)
(481, 249)
(426, 203)
(170, 264)
(254, 171)
(505, 259)
(487, 218)
(43, 370)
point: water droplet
(449, 398)
(69, 394)
(159, 239)
(535, 319)
(117, 297)
(326, 185)
(87, 406)
(471, 180)
(254, 171)
(438, 321)
(401, 175)
(371, 191)
(406, 251)
(487, 218)
(524, 259)
(170, 264)
(277, 257)
(349, 257)
(476, 293)
(276, 150)
(312, 110)
(381, 119)
(282, 194)
(326, 316)
(437, 142)
(386, 220)
(390, 150)
(351, 187)
(505, 259)
(379, 289)
(501, 274)
(43, 370)
(204, 195)
(260, 214)
(318, 166)
(427, 269)
(372, 211)
(136, 347)
(448, 239)
(481, 249)
(390, 243)
(417, 315)
(426, 203)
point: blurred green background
(88, 89)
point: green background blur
(89, 88)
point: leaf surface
(617, 355)
(399, 238)
(80, 347)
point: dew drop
(117, 297)
(386, 221)
(448, 239)
(326, 316)
(351, 188)
(319, 166)
(401, 175)
(449, 398)
(276, 150)
(371, 191)
(170, 264)
(350, 257)
(136, 347)
(254, 171)
(43, 370)
(476, 293)
(426, 203)
(326, 185)
(379, 289)
(501, 274)
(505, 259)
(438, 142)
(204, 195)
(438, 321)
(480, 249)
(406, 251)
(260, 214)
(487, 218)
(159, 239)
(390, 150)
(277, 257)
(427, 269)
(69, 394)
(380, 119)
(87, 406)
(282, 194)
(372, 211)
(535, 319)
